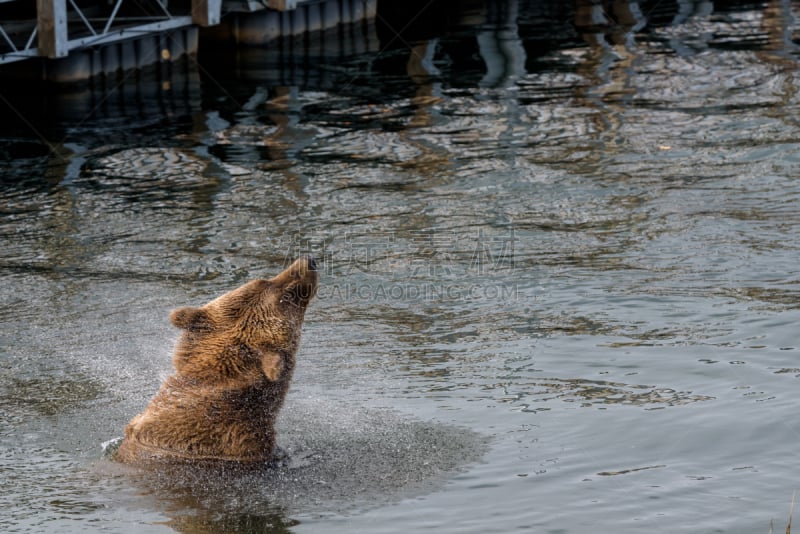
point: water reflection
(235, 523)
(129, 101)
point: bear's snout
(304, 268)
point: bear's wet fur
(233, 364)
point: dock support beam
(52, 27)
(206, 12)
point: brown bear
(233, 364)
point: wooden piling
(282, 5)
(52, 27)
(206, 12)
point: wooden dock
(71, 40)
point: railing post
(206, 12)
(52, 27)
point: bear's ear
(272, 365)
(190, 319)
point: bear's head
(249, 332)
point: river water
(559, 273)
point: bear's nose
(312, 263)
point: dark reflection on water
(234, 523)
(570, 228)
